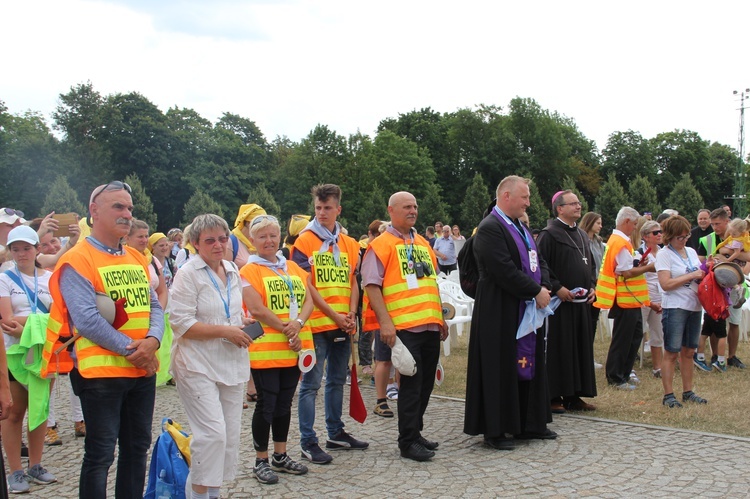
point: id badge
(293, 310)
(533, 260)
(411, 281)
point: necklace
(582, 253)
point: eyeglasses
(11, 212)
(212, 240)
(656, 232)
(574, 203)
(260, 218)
(682, 238)
(115, 185)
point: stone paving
(590, 458)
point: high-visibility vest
(710, 243)
(272, 349)
(629, 293)
(414, 307)
(116, 276)
(334, 283)
(369, 319)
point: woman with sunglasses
(276, 292)
(209, 354)
(651, 236)
(24, 290)
(679, 272)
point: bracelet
(301, 322)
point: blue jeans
(681, 329)
(337, 353)
(115, 409)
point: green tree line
(181, 164)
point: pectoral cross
(523, 362)
(585, 260)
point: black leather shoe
(428, 444)
(417, 452)
(500, 443)
(547, 434)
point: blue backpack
(169, 468)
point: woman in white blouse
(209, 354)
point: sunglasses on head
(115, 185)
(260, 218)
(11, 212)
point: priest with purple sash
(506, 390)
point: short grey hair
(626, 213)
(205, 222)
(650, 226)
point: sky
(649, 66)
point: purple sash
(526, 346)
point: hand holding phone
(254, 330)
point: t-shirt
(686, 296)
(19, 301)
(652, 280)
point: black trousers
(626, 341)
(273, 410)
(414, 391)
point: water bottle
(163, 489)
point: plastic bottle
(163, 489)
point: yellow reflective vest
(629, 293)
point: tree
(683, 151)
(685, 198)
(643, 195)
(262, 197)
(611, 198)
(61, 198)
(143, 207)
(475, 202)
(627, 155)
(199, 204)
(537, 211)
(431, 206)
(568, 184)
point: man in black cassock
(500, 404)
(570, 351)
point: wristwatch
(301, 322)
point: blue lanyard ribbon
(688, 264)
(226, 302)
(33, 305)
(288, 281)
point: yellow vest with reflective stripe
(407, 307)
(334, 283)
(629, 293)
(117, 276)
(272, 349)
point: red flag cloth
(121, 316)
(357, 409)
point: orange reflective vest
(116, 276)
(410, 302)
(334, 283)
(369, 319)
(629, 293)
(272, 349)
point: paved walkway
(591, 458)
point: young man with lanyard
(331, 258)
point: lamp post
(740, 195)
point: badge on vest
(533, 260)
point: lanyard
(688, 264)
(226, 302)
(288, 281)
(409, 251)
(33, 305)
(520, 231)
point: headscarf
(330, 239)
(155, 238)
(247, 213)
(280, 262)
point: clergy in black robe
(570, 352)
(499, 405)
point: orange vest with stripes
(334, 283)
(420, 305)
(629, 293)
(272, 349)
(116, 276)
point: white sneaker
(597, 365)
(391, 392)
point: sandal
(252, 397)
(383, 410)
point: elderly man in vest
(622, 289)
(399, 275)
(115, 366)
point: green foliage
(537, 211)
(611, 198)
(679, 152)
(199, 204)
(262, 197)
(431, 207)
(475, 202)
(61, 198)
(685, 198)
(373, 206)
(643, 196)
(143, 207)
(568, 184)
(628, 155)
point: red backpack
(712, 296)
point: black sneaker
(314, 454)
(735, 362)
(344, 441)
(417, 452)
(429, 444)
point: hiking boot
(735, 362)
(52, 438)
(719, 366)
(670, 401)
(692, 397)
(39, 475)
(344, 441)
(264, 473)
(17, 483)
(80, 427)
(314, 454)
(701, 364)
(285, 464)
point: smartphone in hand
(254, 330)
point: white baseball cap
(10, 216)
(23, 233)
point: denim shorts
(682, 329)
(382, 351)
